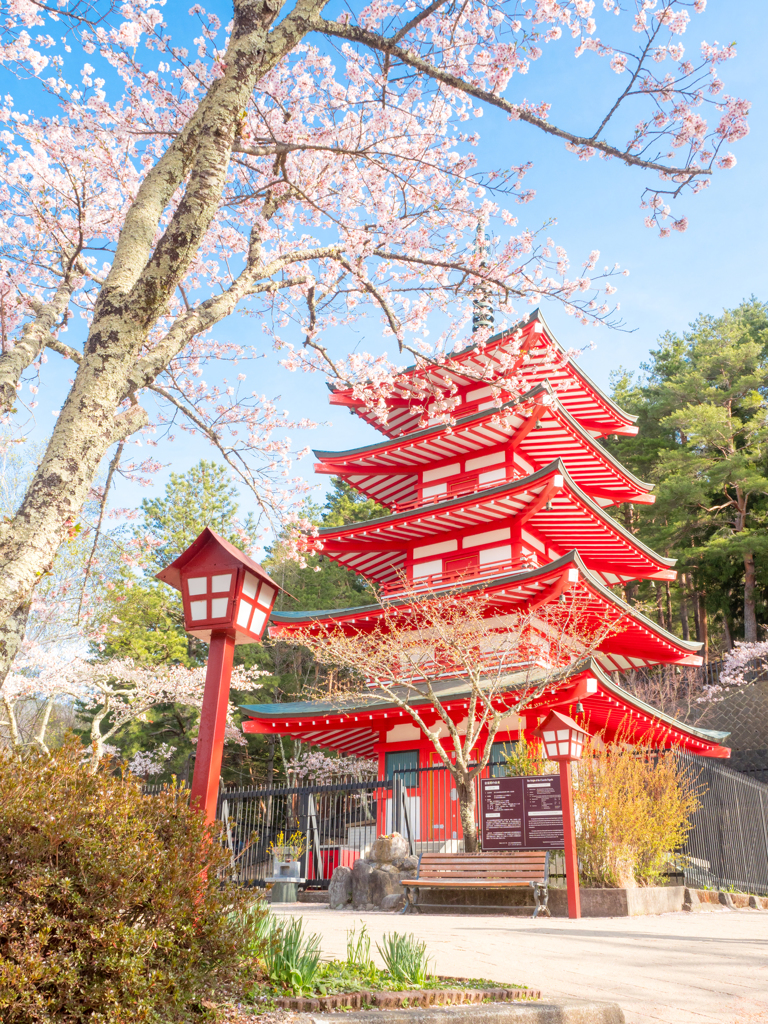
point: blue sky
(717, 262)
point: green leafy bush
(106, 913)
(405, 958)
(291, 958)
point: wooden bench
(500, 870)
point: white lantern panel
(244, 614)
(563, 747)
(551, 749)
(219, 583)
(549, 736)
(563, 734)
(197, 610)
(219, 607)
(259, 618)
(249, 585)
(197, 585)
(266, 594)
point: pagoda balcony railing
(447, 579)
(458, 489)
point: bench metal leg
(541, 896)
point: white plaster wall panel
(403, 732)
(498, 475)
(489, 537)
(500, 554)
(440, 472)
(531, 541)
(472, 396)
(422, 569)
(485, 460)
(434, 491)
(436, 549)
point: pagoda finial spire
(482, 312)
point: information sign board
(522, 813)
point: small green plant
(405, 958)
(528, 759)
(291, 958)
(359, 949)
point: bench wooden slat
(492, 870)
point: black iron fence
(339, 822)
(727, 847)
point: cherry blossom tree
(507, 661)
(111, 693)
(306, 167)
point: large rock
(391, 849)
(393, 902)
(340, 888)
(372, 882)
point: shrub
(633, 809)
(405, 958)
(106, 915)
(291, 958)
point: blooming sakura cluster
(743, 664)
(305, 172)
(321, 769)
(114, 692)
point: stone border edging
(572, 1011)
(424, 997)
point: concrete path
(703, 968)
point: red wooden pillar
(213, 720)
(569, 841)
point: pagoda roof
(354, 724)
(641, 643)
(548, 504)
(387, 470)
(529, 349)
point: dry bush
(105, 913)
(633, 809)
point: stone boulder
(391, 849)
(372, 882)
(340, 888)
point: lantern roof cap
(557, 718)
(171, 574)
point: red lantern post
(227, 601)
(563, 742)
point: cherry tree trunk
(466, 794)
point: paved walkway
(702, 968)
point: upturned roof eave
(570, 558)
(404, 440)
(620, 413)
(509, 486)
(456, 689)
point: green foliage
(203, 496)
(702, 406)
(147, 624)
(106, 913)
(405, 958)
(528, 759)
(291, 958)
(359, 948)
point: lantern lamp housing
(221, 589)
(563, 738)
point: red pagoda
(495, 480)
